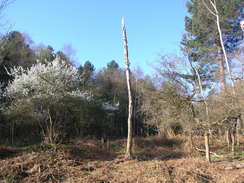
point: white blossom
(110, 107)
(81, 94)
(55, 79)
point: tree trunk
(128, 154)
(221, 69)
(233, 140)
(206, 134)
(191, 141)
(12, 133)
(227, 136)
(238, 127)
(206, 137)
(108, 144)
(224, 52)
(215, 13)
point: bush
(48, 95)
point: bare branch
(204, 3)
(214, 6)
(4, 4)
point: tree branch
(204, 3)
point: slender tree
(203, 41)
(215, 12)
(128, 154)
(206, 134)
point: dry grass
(156, 161)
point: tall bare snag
(128, 154)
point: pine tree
(202, 42)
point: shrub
(44, 90)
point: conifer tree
(202, 42)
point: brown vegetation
(156, 160)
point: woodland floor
(156, 160)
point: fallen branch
(239, 166)
(213, 153)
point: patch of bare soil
(155, 161)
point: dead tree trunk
(128, 154)
(206, 136)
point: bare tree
(128, 154)
(3, 5)
(206, 134)
(212, 8)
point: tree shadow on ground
(7, 152)
(158, 148)
(158, 142)
(145, 149)
(88, 150)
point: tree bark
(233, 140)
(224, 52)
(128, 154)
(206, 137)
(228, 140)
(221, 69)
(238, 127)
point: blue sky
(93, 27)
